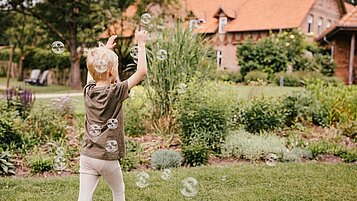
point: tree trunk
(75, 78)
(21, 68)
(10, 66)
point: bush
(10, 122)
(195, 154)
(350, 130)
(299, 78)
(164, 159)
(132, 159)
(20, 99)
(325, 147)
(256, 76)
(296, 154)
(6, 165)
(262, 115)
(203, 114)
(230, 76)
(245, 145)
(136, 112)
(39, 163)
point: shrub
(132, 159)
(64, 105)
(6, 165)
(195, 154)
(256, 76)
(350, 130)
(203, 114)
(299, 78)
(262, 115)
(325, 147)
(39, 163)
(163, 159)
(296, 154)
(10, 122)
(245, 145)
(230, 76)
(20, 99)
(136, 112)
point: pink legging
(90, 171)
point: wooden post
(352, 54)
(10, 66)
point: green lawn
(38, 89)
(286, 181)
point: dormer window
(319, 25)
(222, 22)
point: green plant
(350, 130)
(19, 99)
(10, 122)
(64, 105)
(333, 148)
(262, 115)
(132, 158)
(195, 154)
(230, 76)
(256, 76)
(136, 112)
(296, 154)
(163, 159)
(39, 163)
(203, 114)
(6, 165)
(245, 145)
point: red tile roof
(349, 7)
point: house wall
(342, 44)
(327, 9)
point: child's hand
(110, 43)
(141, 36)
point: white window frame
(192, 24)
(310, 24)
(222, 22)
(219, 58)
(320, 24)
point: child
(103, 141)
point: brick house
(341, 38)
(229, 22)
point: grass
(39, 89)
(286, 181)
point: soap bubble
(161, 55)
(146, 18)
(224, 178)
(112, 124)
(166, 174)
(142, 180)
(112, 146)
(57, 47)
(271, 159)
(60, 151)
(136, 61)
(199, 23)
(189, 187)
(182, 87)
(59, 163)
(134, 52)
(101, 66)
(94, 130)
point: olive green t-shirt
(104, 123)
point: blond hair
(99, 61)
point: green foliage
(39, 163)
(203, 113)
(245, 145)
(256, 75)
(6, 165)
(187, 56)
(296, 154)
(132, 158)
(164, 159)
(276, 52)
(299, 78)
(10, 122)
(262, 115)
(136, 112)
(349, 129)
(325, 147)
(64, 105)
(195, 154)
(230, 76)
(20, 100)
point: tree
(74, 22)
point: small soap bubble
(112, 124)
(57, 47)
(59, 163)
(146, 18)
(271, 159)
(100, 66)
(94, 130)
(112, 146)
(189, 187)
(60, 151)
(142, 178)
(134, 52)
(161, 55)
(166, 174)
(181, 88)
(224, 178)
(199, 23)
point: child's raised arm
(141, 37)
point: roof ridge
(348, 16)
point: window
(310, 23)
(222, 23)
(219, 58)
(328, 23)
(192, 24)
(319, 25)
